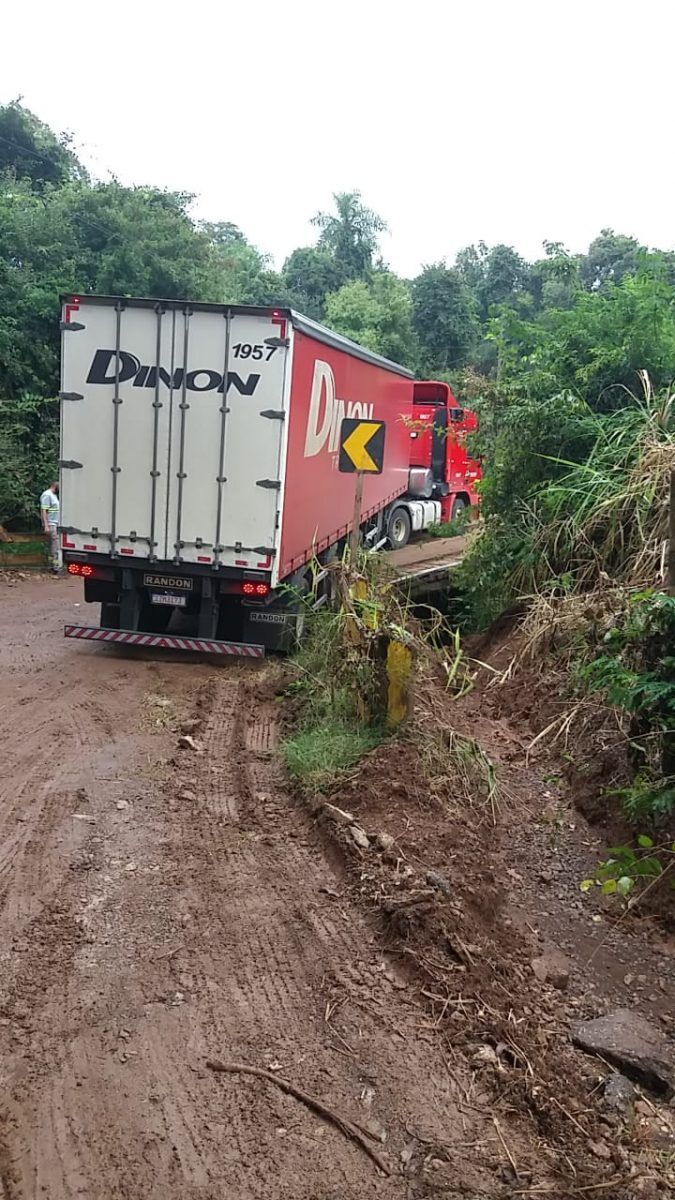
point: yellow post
(399, 670)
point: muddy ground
(163, 907)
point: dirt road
(159, 907)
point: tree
(495, 275)
(238, 273)
(29, 452)
(137, 241)
(222, 233)
(610, 257)
(36, 260)
(350, 235)
(378, 314)
(596, 348)
(29, 149)
(554, 280)
(237, 269)
(443, 317)
(310, 274)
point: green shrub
(333, 731)
(636, 673)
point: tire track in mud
(44, 796)
(280, 945)
(71, 731)
(173, 930)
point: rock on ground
(619, 1093)
(634, 1045)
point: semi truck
(200, 492)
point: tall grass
(593, 587)
(606, 520)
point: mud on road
(161, 907)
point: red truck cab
(438, 436)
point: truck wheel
(110, 616)
(399, 526)
(458, 508)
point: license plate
(174, 601)
(180, 583)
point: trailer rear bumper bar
(161, 641)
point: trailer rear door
(172, 431)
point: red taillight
(81, 569)
(255, 589)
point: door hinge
(274, 484)
(266, 550)
(70, 326)
(277, 343)
(274, 414)
(71, 396)
(69, 464)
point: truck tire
(458, 508)
(399, 527)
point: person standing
(49, 513)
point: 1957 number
(246, 350)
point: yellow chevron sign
(362, 446)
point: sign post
(356, 527)
(361, 453)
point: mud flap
(274, 628)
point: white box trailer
(199, 454)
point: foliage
(569, 493)
(483, 579)
(29, 451)
(311, 275)
(443, 317)
(350, 235)
(610, 257)
(555, 279)
(319, 753)
(625, 867)
(350, 689)
(447, 529)
(30, 151)
(528, 444)
(495, 275)
(237, 266)
(595, 348)
(331, 735)
(606, 517)
(636, 673)
(378, 314)
(582, 552)
(79, 238)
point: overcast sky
(508, 120)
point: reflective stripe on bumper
(161, 641)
